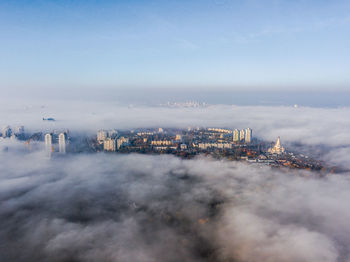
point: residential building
(236, 135)
(242, 135)
(109, 144)
(62, 143)
(248, 135)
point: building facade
(241, 135)
(248, 135)
(236, 135)
(49, 144)
(62, 143)
(109, 144)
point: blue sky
(221, 43)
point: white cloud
(107, 207)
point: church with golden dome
(277, 148)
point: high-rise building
(6, 131)
(242, 135)
(48, 144)
(277, 148)
(109, 144)
(248, 135)
(101, 135)
(236, 135)
(62, 143)
(48, 139)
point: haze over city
(190, 130)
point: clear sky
(232, 44)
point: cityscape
(175, 131)
(218, 143)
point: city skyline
(189, 143)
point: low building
(178, 137)
(220, 130)
(145, 133)
(161, 148)
(236, 135)
(161, 143)
(204, 146)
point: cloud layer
(107, 207)
(160, 208)
(312, 126)
(321, 130)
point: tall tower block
(62, 142)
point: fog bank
(104, 207)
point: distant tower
(248, 135)
(236, 135)
(62, 142)
(242, 135)
(48, 144)
(48, 140)
(277, 149)
(6, 131)
(101, 136)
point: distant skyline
(228, 44)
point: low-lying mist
(329, 126)
(106, 207)
(320, 132)
(112, 207)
